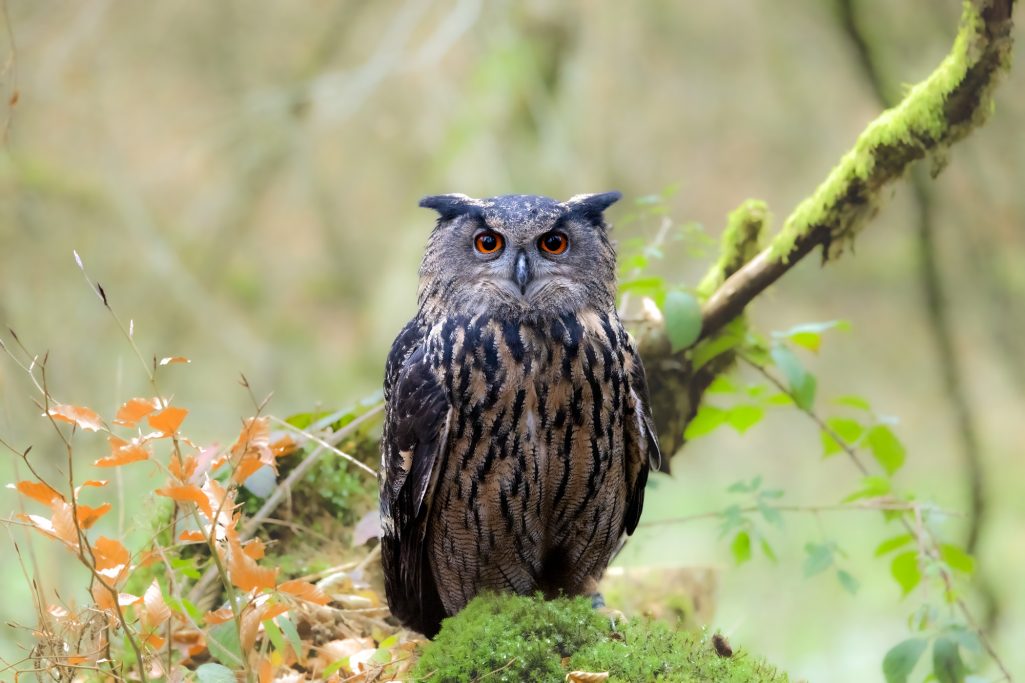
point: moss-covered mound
(515, 639)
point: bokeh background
(242, 178)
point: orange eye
(488, 242)
(553, 242)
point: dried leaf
(87, 516)
(130, 412)
(283, 446)
(243, 570)
(112, 558)
(63, 523)
(182, 470)
(188, 494)
(156, 610)
(77, 415)
(254, 548)
(219, 616)
(192, 536)
(37, 490)
(245, 468)
(122, 453)
(305, 591)
(167, 420)
(255, 435)
(174, 359)
(586, 677)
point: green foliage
(512, 638)
(683, 318)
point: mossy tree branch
(934, 115)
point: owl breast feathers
(517, 439)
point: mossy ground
(512, 638)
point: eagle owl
(518, 435)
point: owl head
(522, 256)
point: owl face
(520, 256)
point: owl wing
(415, 434)
(642, 451)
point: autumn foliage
(258, 628)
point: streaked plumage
(518, 437)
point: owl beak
(522, 272)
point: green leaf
(721, 385)
(214, 673)
(779, 399)
(801, 382)
(847, 429)
(381, 656)
(946, 661)
(185, 566)
(849, 583)
(683, 319)
(891, 544)
(900, 661)
(886, 448)
(744, 416)
(872, 486)
(852, 401)
(741, 547)
(222, 641)
(820, 558)
(293, 637)
(770, 514)
(707, 419)
(956, 558)
(708, 350)
(335, 666)
(274, 633)
(768, 551)
(904, 568)
(809, 335)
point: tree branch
(934, 115)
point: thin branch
(870, 505)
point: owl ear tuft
(592, 206)
(450, 206)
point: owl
(518, 436)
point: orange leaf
(75, 660)
(98, 483)
(255, 435)
(182, 470)
(305, 590)
(154, 641)
(167, 420)
(77, 415)
(122, 453)
(174, 359)
(188, 494)
(245, 468)
(157, 611)
(63, 523)
(218, 498)
(191, 536)
(87, 516)
(243, 570)
(274, 611)
(219, 616)
(37, 490)
(286, 445)
(132, 411)
(266, 671)
(112, 558)
(253, 548)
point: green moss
(741, 240)
(918, 126)
(512, 638)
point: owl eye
(553, 242)
(488, 242)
